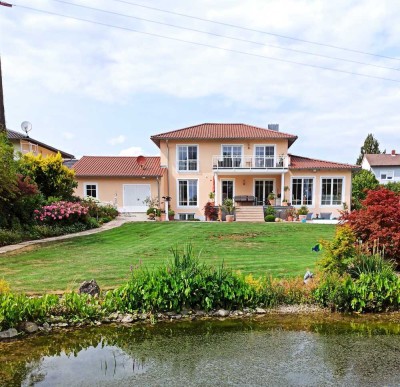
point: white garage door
(134, 195)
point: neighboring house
(385, 167)
(25, 144)
(238, 161)
(125, 182)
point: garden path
(120, 220)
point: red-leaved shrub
(378, 222)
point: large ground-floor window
(187, 192)
(302, 191)
(331, 191)
(262, 188)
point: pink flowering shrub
(62, 213)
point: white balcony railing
(249, 162)
(28, 147)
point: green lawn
(279, 249)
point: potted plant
(291, 214)
(284, 200)
(210, 211)
(302, 212)
(229, 208)
(157, 214)
(171, 214)
(211, 196)
(271, 198)
(163, 216)
(151, 213)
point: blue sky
(93, 90)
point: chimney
(393, 152)
(273, 127)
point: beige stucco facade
(244, 179)
(114, 190)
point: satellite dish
(26, 126)
(141, 160)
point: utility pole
(2, 114)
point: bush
(270, 211)
(339, 252)
(10, 237)
(182, 283)
(270, 218)
(62, 213)
(378, 221)
(99, 210)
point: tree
(362, 182)
(378, 222)
(52, 177)
(371, 146)
(8, 167)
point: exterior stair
(249, 214)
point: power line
(224, 36)
(255, 30)
(206, 45)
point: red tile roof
(299, 162)
(222, 132)
(383, 160)
(117, 166)
(12, 135)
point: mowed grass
(279, 249)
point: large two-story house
(238, 161)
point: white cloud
(117, 140)
(132, 151)
(68, 135)
(330, 112)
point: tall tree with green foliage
(371, 146)
(362, 182)
(8, 169)
(52, 177)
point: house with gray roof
(385, 167)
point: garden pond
(289, 350)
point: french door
(262, 188)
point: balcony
(259, 163)
(28, 147)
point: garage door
(134, 196)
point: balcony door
(264, 156)
(232, 156)
(262, 188)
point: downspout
(167, 168)
(158, 190)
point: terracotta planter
(284, 204)
(171, 217)
(230, 218)
(163, 217)
(290, 218)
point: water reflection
(278, 350)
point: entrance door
(262, 188)
(134, 196)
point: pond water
(279, 350)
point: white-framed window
(227, 187)
(186, 216)
(187, 192)
(387, 175)
(187, 158)
(91, 189)
(332, 191)
(302, 191)
(264, 156)
(232, 156)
